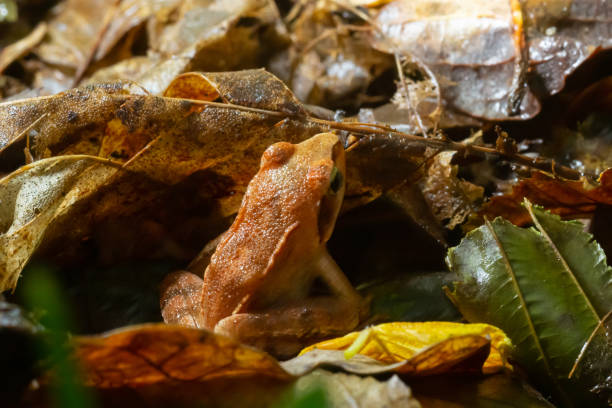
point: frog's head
(317, 166)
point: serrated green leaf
(547, 287)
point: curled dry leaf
(430, 347)
(550, 289)
(569, 199)
(159, 353)
(33, 197)
(164, 146)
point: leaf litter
(136, 151)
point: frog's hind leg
(285, 330)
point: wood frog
(271, 282)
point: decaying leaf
(451, 199)
(205, 36)
(549, 288)
(429, 347)
(329, 63)
(158, 353)
(569, 199)
(470, 46)
(480, 50)
(345, 390)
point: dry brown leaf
(377, 163)
(167, 147)
(569, 199)
(73, 29)
(227, 36)
(468, 45)
(158, 353)
(21, 47)
(156, 360)
(32, 197)
(128, 15)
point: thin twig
(368, 129)
(402, 78)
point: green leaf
(411, 297)
(549, 288)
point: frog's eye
(335, 180)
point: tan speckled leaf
(167, 148)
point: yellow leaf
(429, 347)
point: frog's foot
(180, 299)
(283, 332)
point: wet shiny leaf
(548, 287)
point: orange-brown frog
(258, 286)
